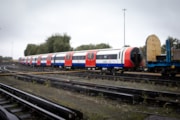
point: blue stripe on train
(82, 65)
(58, 64)
(109, 65)
(99, 65)
(43, 64)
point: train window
(68, 56)
(113, 56)
(99, 56)
(82, 57)
(78, 57)
(39, 58)
(105, 57)
(119, 55)
(48, 58)
(59, 58)
(90, 56)
(43, 58)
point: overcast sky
(86, 21)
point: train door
(48, 60)
(91, 59)
(39, 60)
(30, 63)
(27, 60)
(68, 60)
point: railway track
(127, 94)
(128, 77)
(19, 105)
(132, 95)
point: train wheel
(173, 74)
(113, 72)
(122, 71)
(164, 73)
(102, 72)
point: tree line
(59, 43)
(5, 59)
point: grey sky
(86, 21)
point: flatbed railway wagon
(168, 64)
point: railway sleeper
(64, 112)
(6, 115)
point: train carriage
(27, 60)
(109, 59)
(59, 60)
(78, 59)
(103, 59)
(30, 61)
(22, 60)
(43, 60)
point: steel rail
(153, 79)
(49, 109)
(132, 94)
(130, 78)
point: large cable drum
(153, 48)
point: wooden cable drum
(153, 48)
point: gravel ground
(93, 108)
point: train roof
(80, 51)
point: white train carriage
(78, 59)
(59, 60)
(43, 60)
(109, 60)
(34, 59)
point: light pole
(124, 25)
